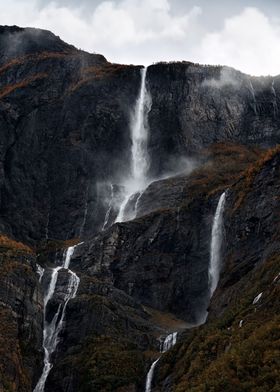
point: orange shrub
(24, 83)
(250, 174)
(9, 243)
(33, 58)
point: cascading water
(254, 101)
(40, 271)
(137, 202)
(121, 214)
(139, 134)
(274, 101)
(168, 343)
(150, 376)
(216, 242)
(53, 328)
(138, 179)
(110, 205)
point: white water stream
(110, 205)
(138, 179)
(216, 242)
(168, 343)
(53, 328)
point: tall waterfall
(139, 135)
(53, 328)
(168, 343)
(216, 242)
(138, 179)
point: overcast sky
(243, 34)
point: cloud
(144, 31)
(109, 27)
(248, 41)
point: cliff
(238, 347)
(65, 126)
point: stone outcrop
(21, 305)
(195, 106)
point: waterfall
(121, 214)
(216, 242)
(137, 202)
(40, 271)
(168, 343)
(84, 219)
(274, 101)
(110, 205)
(150, 376)
(47, 227)
(138, 179)
(53, 328)
(252, 92)
(139, 135)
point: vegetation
(221, 166)
(10, 354)
(15, 257)
(17, 278)
(8, 89)
(249, 175)
(109, 364)
(98, 72)
(8, 243)
(105, 70)
(56, 245)
(33, 58)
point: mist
(228, 77)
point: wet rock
(21, 306)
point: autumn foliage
(8, 243)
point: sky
(243, 34)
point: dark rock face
(65, 125)
(251, 231)
(102, 324)
(16, 41)
(65, 149)
(21, 314)
(195, 106)
(243, 324)
(64, 119)
(150, 259)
